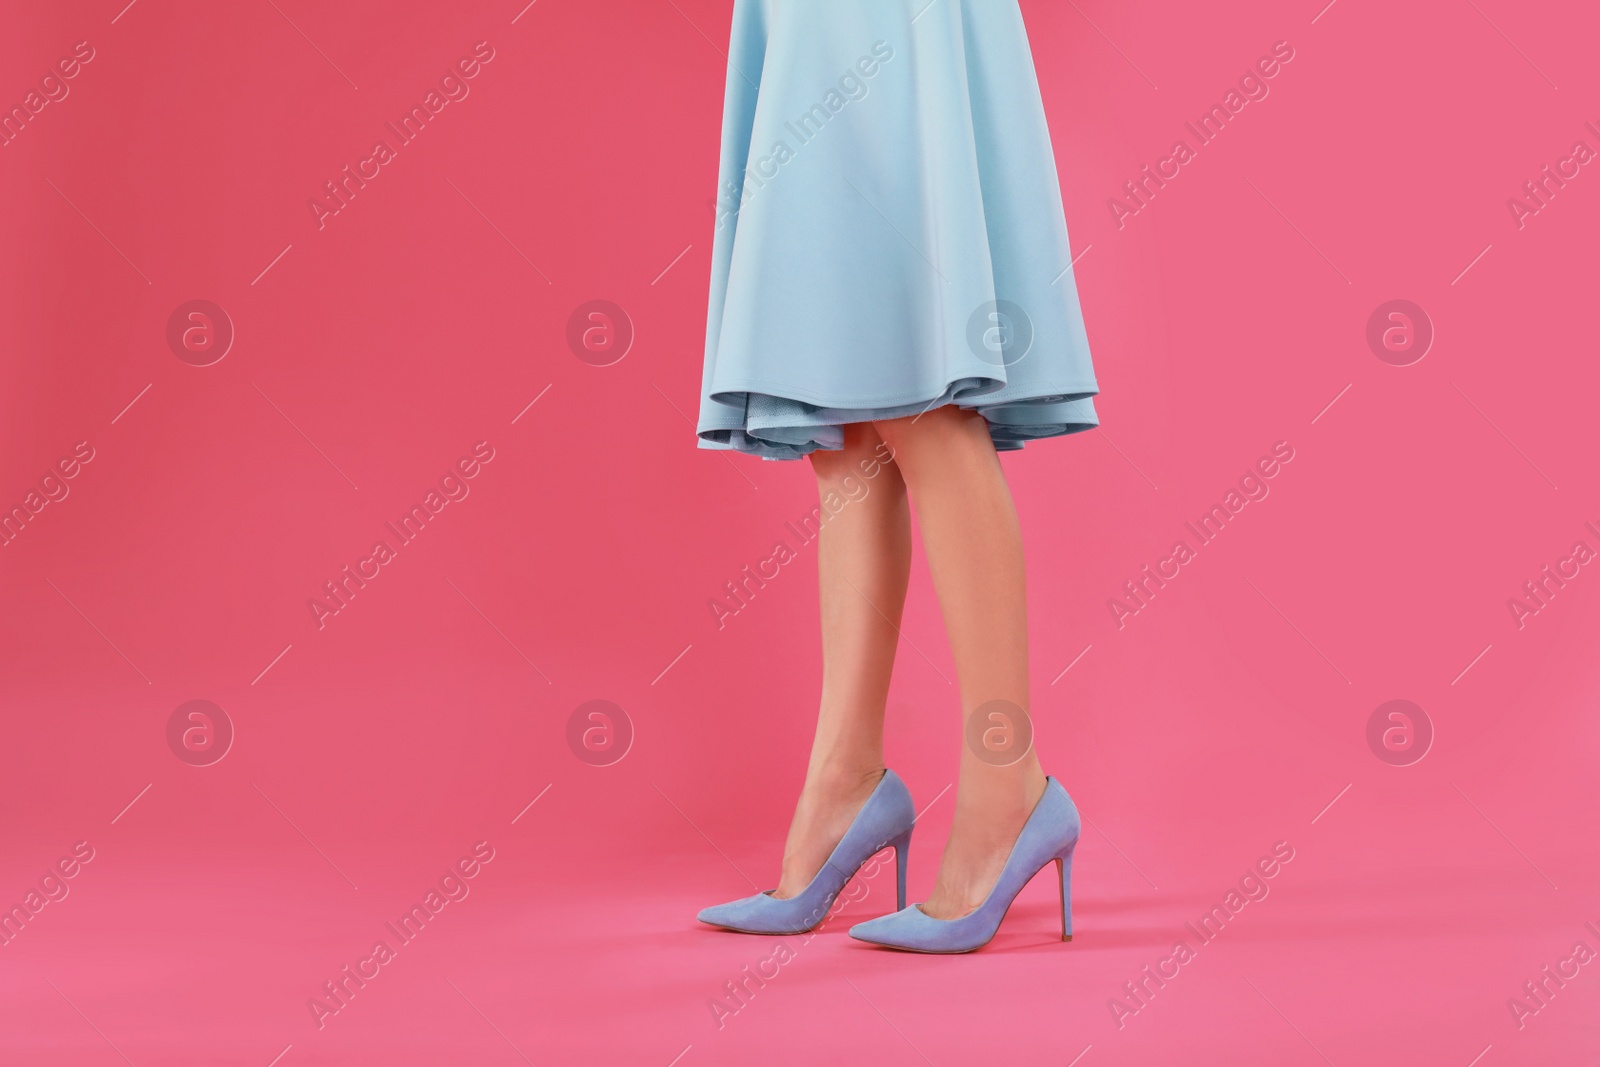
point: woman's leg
(863, 563)
(974, 546)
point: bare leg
(864, 564)
(974, 546)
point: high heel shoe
(1050, 834)
(885, 819)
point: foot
(821, 818)
(987, 823)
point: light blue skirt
(889, 233)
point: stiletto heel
(1064, 869)
(1051, 833)
(885, 819)
(902, 856)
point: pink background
(372, 353)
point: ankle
(994, 813)
(836, 778)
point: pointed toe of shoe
(717, 914)
(909, 929)
(914, 930)
(745, 914)
(869, 931)
(766, 914)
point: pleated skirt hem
(784, 427)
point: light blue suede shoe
(1051, 833)
(885, 819)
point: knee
(865, 458)
(944, 436)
